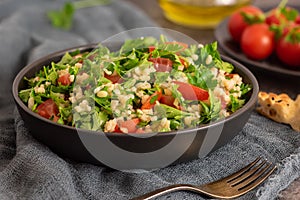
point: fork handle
(168, 189)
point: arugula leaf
(98, 120)
(209, 50)
(169, 112)
(211, 111)
(202, 77)
(160, 77)
(62, 18)
(130, 62)
(235, 103)
(245, 88)
(66, 59)
(225, 66)
(176, 124)
(139, 43)
(153, 99)
(25, 94)
(104, 104)
(52, 76)
(170, 47)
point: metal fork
(231, 186)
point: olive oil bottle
(200, 13)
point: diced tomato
(64, 79)
(151, 48)
(167, 99)
(130, 125)
(162, 64)
(48, 109)
(117, 129)
(297, 20)
(230, 76)
(150, 102)
(113, 78)
(191, 92)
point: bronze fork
(231, 186)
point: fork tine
(255, 176)
(258, 180)
(247, 174)
(242, 171)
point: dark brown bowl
(122, 151)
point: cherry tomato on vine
(281, 16)
(275, 17)
(238, 22)
(288, 48)
(258, 41)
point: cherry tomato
(275, 17)
(64, 79)
(237, 23)
(162, 64)
(288, 48)
(281, 16)
(48, 109)
(191, 92)
(258, 41)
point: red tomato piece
(48, 109)
(117, 129)
(162, 64)
(167, 99)
(150, 102)
(297, 20)
(258, 41)
(191, 92)
(64, 79)
(151, 48)
(237, 23)
(113, 78)
(130, 125)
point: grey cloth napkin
(29, 170)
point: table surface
(269, 82)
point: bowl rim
(47, 58)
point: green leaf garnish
(63, 18)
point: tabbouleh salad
(149, 85)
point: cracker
(280, 108)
